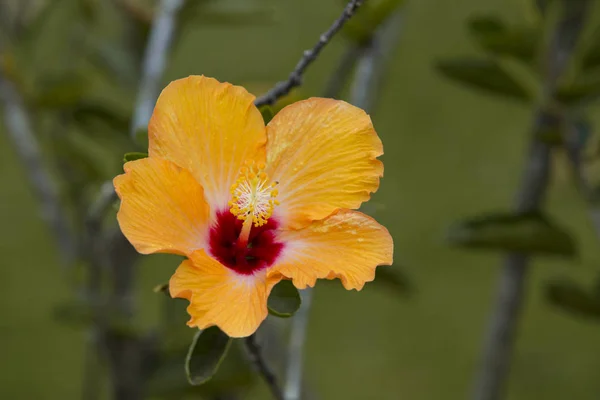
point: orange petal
(348, 245)
(162, 207)
(236, 303)
(209, 128)
(323, 153)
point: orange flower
(249, 205)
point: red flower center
(260, 252)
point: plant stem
(259, 362)
(309, 56)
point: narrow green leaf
(208, 349)
(572, 298)
(62, 91)
(395, 279)
(485, 75)
(284, 300)
(267, 113)
(583, 90)
(497, 38)
(88, 111)
(134, 156)
(525, 233)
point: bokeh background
(449, 153)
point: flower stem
(262, 367)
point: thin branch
(259, 362)
(371, 62)
(295, 79)
(155, 59)
(20, 131)
(491, 382)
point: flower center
(252, 198)
(259, 251)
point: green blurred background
(449, 153)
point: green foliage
(494, 36)
(284, 300)
(394, 279)
(207, 351)
(485, 75)
(531, 233)
(572, 298)
(166, 379)
(583, 89)
(134, 156)
(59, 92)
(87, 112)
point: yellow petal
(236, 303)
(323, 153)
(210, 129)
(348, 245)
(162, 207)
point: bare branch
(19, 128)
(490, 384)
(259, 362)
(295, 79)
(155, 59)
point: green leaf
(208, 349)
(62, 91)
(267, 113)
(583, 90)
(485, 75)
(394, 279)
(494, 36)
(524, 233)
(134, 156)
(284, 300)
(572, 298)
(86, 112)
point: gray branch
(500, 338)
(20, 131)
(262, 367)
(295, 79)
(372, 59)
(155, 59)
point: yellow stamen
(252, 197)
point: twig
(497, 353)
(155, 59)
(371, 61)
(257, 359)
(295, 79)
(19, 128)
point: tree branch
(19, 128)
(155, 59)
(295, 79)
(371, 61)
(259, 362)
(499, 342)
